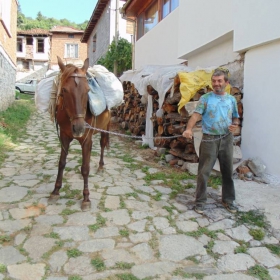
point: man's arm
(234, 125)
(191, 123)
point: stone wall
(102, 32)
(7, 80)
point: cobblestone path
(136, 228)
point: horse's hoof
(86, 205)
(100, 170)
(53, 198)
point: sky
(76, 11)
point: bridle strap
(77, 117)
(78, 75)
(75, 75)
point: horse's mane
(68, 71)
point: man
(219, 113)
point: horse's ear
(60, 63)
(86, 65)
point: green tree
(26, 23)
(122, 53)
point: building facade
(104, 24)
(8, 39)
(66, 43)
(240, 35)
(33, 53)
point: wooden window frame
(145, 7)
(41, 42)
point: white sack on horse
(110, 85)
(43, 92)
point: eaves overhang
(98, 11)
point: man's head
(219, 80)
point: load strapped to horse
(73, 98)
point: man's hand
(188, 133)
(232, 128)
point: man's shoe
(230, 207)
(199, 208)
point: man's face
(219, 84)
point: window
(140, 26)
(168, 6)
(70, 35)
(94, 38)
(151, 17)
(40, 45)
(29, 41)
(19, 44)
(71, 50)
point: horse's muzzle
(78, 127)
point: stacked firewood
(132, 117)
(132, 113)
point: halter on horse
(72, 112)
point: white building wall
(102, 32)
(159, 45)
(261, 129)
(45, 54)
(201, 22)
(256, 22)
(214, 56)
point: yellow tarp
(192, 82)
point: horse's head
(74, 90)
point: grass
(12, 123)
(68, 211)
(127, 158)
(75, 277)
(275, 249)
(258, 234)
(252, 217)
(215, 182)
(182, 273)
(124, 232)
(124, 265)
(4, 238)
(52, 235)
(241, 249)
(74, 253)
(201, 231)
(100, 222)
(126, 276)
(259, 272)
(98, 264)
(71, 194)
(3, 268)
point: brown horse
(72, 112)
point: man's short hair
(221, 72)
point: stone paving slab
(135, 229)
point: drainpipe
(116, 35)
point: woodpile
(132, 117)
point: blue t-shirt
(217, 112)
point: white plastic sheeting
(160, 77)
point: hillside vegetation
(27, 23)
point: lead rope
(89, 128)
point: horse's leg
(65, 142)
(86, 152)
(104, 142)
